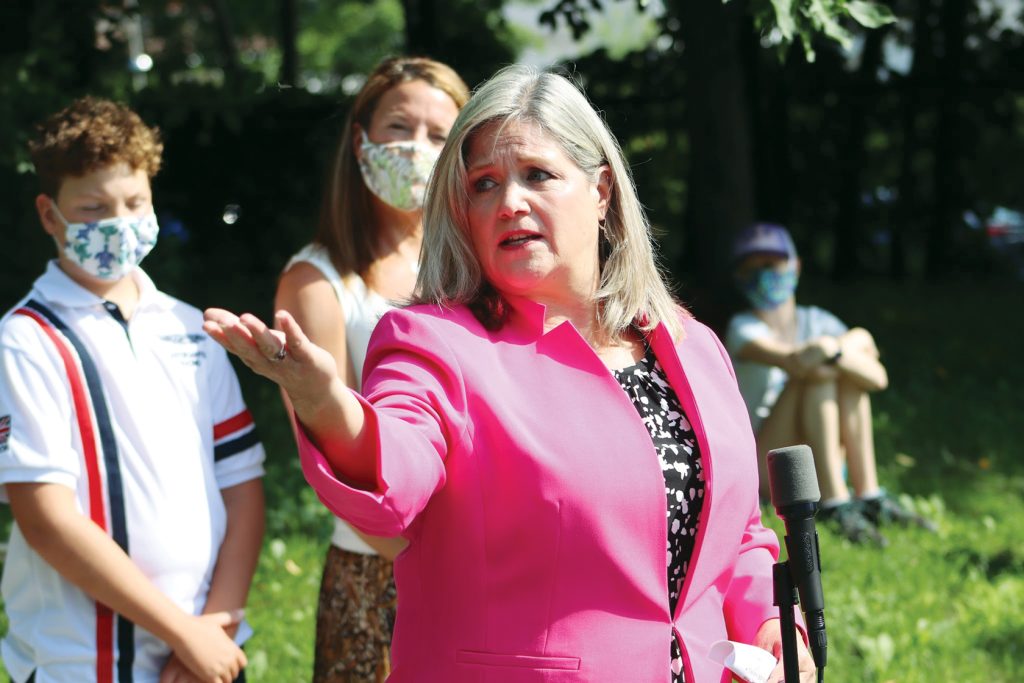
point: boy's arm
(859, 361)
(801, 361)
(86, 556)
(236, 561)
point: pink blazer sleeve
(415, 405)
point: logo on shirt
(5, 431)
(187, 348)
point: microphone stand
(785, 597)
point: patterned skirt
(355, 617)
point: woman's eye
(483, 184)
(537, 174)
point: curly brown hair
(90, 134)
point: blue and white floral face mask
(109, 249)
(397, 172)
(768, 288)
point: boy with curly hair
(126, 452)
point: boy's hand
(176, 672)
(811, 356)
(206, 650)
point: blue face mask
(768, 288)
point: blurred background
(892, 152)
(888, 136)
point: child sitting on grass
(126, 452)
(806, 378)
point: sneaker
(847, 520)
(885, 510)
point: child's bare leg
(819, 423)
(779, 429)
(858, 439)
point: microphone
(795, 495)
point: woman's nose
(513, 201)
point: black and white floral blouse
(676, 445)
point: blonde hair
(632, 291)
(88, 135)
(347, 228)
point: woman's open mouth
(518, 239)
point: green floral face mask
(110, 248)
(397, 172)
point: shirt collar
(56, 286)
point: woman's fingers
(294, 339)
(284, 355)
(270, 343)
(247, 337)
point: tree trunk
(720, 183)
(909, 193)
(948, 181)
(846, 257)
(289, 25)
(420, 27)
(769, 100)
(226, 38)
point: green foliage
(282, 609)
(801, 20)
(345, 38)
(804, 20)
(334, 39)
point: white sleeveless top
(362, 308)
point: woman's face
(534, 214)
(411, 111)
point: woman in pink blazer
(563, 446)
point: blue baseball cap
(763, 238)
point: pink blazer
(534, 504)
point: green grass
(930, 607)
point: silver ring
(281, 353)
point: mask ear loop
(61, 248)
(53, 205)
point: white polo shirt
(170, 431)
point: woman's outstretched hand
(306, 372)
(329, 413)
(286, 356)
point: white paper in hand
(746, 661)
